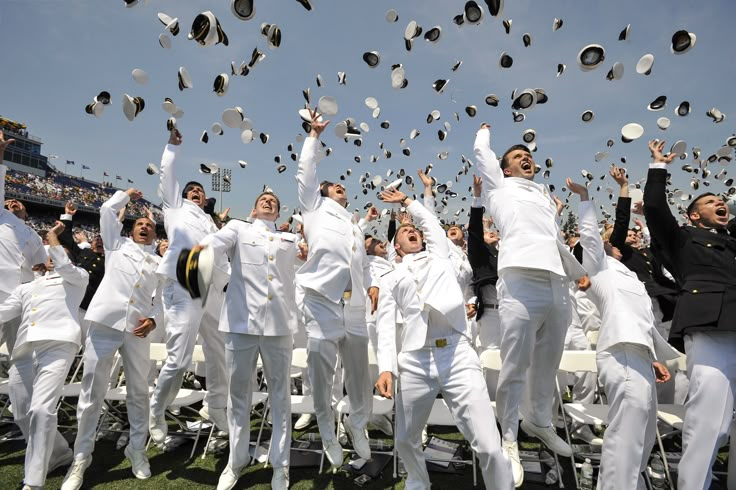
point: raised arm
(306, 175)
(623, 210)
(110, 227)
(594, 256)
(662, 224)
(168, 188)
(488, 165)
(429, 200)
(62, 265)
(478, 252)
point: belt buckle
(440, 343)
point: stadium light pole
(221, 181)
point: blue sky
(59, 55)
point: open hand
(317, 124)
(656, 147)
(578, 189)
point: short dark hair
(268, 193)
(504, 158)
(324, 186)
(694, 203)
(190, 185)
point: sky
(59, 55)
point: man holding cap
(259, 318)
(186, 225)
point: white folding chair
(185, 397)
(304, 403)
(672, 415)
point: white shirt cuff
(657, 165)
(67, 217)
(477, 202)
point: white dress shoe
(549, 437)
(75, 476)
(333, 451)
(228, 479)
(158, 428)
(511, 449)
(303, 421)
(360, 440)
(139, 462)
(280, 480)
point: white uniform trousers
(241, 356)
(99, 355)
(489, 337)
(674, 390)
(184, 319)
(36, 382)
(334, 328)
(535, 312)
(711, 365)
(626, 372)
(455, 372)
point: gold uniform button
(137, 286)
(33, 324)
(132, 301)
(270, 297)
(708, 245)
(353, 248)
(270, 277)
(33, 309)
(270, 257)
(270, 239)
(695, 291)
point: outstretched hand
(4, 143)
(392, 195)
(426, 180)
(477, 186)
(371, 214)
(656, 147)
(317, 124)
(578, 189)
(175, 137)
(619, 175)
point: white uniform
(258, 317)
(123, 298)
(47, 339)
(332, 299)
(534, 299)
(20, 249)
(435, 355)
(186, 225)
(625, 351)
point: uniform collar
(261, 224)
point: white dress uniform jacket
(526, 217)
(127, 291)
(421, 280)
(48, 306)
(625, 306)
(20, 247)
(260, 297)
(186, 223)
(336, 244)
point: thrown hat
(185, 81)
(663, 123)
(678, 148)
(716, 115)
(327, 105)
(243, 9)
(152, 169)
(658, 103)
(591, 56)
(644, 65)
(132, 106)
(206, 30)
(164, 41)
(398, 77)
(372, 58)
(556, 24)
(439, 85)
(495, 7)
(103, 97)
(95, 108)
(505, 61)
(683, 109)
(221, 83)
(526, 100)
(472, 13)
(233, 117)
(527, 40)
(169, 106)
(587, 116)
(616, 72)
(471, 110)
(529, 136)
(492, 100)
(624, 34)
(507, 25)
(195, 269)
(631, 131)
(272, 33)
(433, 34)
(682, 42)
(392, 16)
(171, 24)
(140, 76)
(208, 168)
